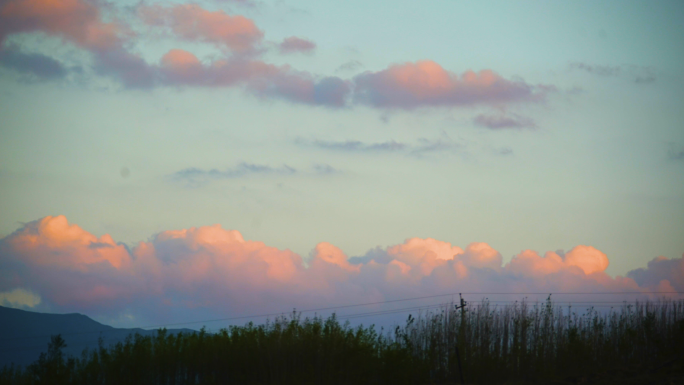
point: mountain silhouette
(25, 334)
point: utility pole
(458, 355)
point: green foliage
(519, 342)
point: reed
(536, 342)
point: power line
(360, 315)
(350, 306)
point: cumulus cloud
(41, 66)
(295, 44)
(426, 83)
(126, 67)
(503, 121)
(182, 68)
(193, 23)
(661, 274)
(215, 270)
(81, 22)
(78, 21)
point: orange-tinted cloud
(78, 21)
(193, 23)
(182, 66)
(326, 253)
(426, 83)
(79, 248)
(585, 259)
(217, 270)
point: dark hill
(25, 334)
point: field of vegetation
(495, 344)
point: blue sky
(586, 149)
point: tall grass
(521, 341)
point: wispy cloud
(637, 74)
(294, 44)
(198, 176)
(600, 70)
(325, 169)
(443, 144)
(350, 66)
(675, 153)
(244, 3)
(504, 121)
(420, 147)
(355, 145)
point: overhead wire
(587, 304)
(206, 321)
(165, 325)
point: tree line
(535, 343)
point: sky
(233, 156)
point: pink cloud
(219, 271)
(295, 44)
(78, 21)
(426, 83)
(182, 66)
(408, 85)
(193, 23)
(179, 67)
